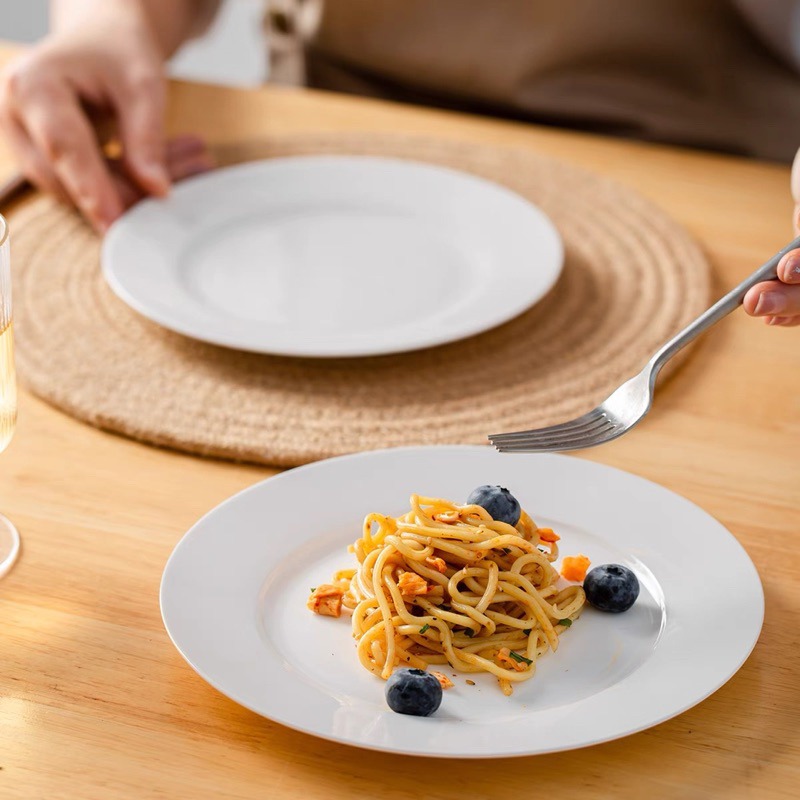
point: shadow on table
(739, 738)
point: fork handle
(720, 309)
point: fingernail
(157, 176)
(106, 218)
(770, 303)
(791, 270)
(90, 208)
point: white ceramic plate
(233, 598)
(333, 256)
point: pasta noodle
(447, 584)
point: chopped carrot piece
(548, 535)
(504, 657)
(326, 600)
(436, 563)
(574, 568)
(411, 584)
(443, 679)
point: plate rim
(520, 753)
(514, 309)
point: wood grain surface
(95, 702)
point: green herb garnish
(469, 632)
(424, 628)
(565, 622)
(313, 588)
(518, 657)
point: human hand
(185, 156)
(778, 302)
(53, 96)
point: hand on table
(52, 98)
(778, 302)
(184, 156)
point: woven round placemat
(632, 278)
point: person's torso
(684, 71)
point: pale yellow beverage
(8, 386)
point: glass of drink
(9, 537)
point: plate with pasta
(456, 602)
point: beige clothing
(690, 72)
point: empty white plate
(233, 598)
(333, 256)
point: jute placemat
(632, 278)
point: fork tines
(585, 431)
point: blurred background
(231, 53)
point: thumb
(141, 123)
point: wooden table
(95, 702)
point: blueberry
(611, 587)
(413, 691)
(499, 502)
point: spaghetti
(447, 584)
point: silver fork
(618, 413)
